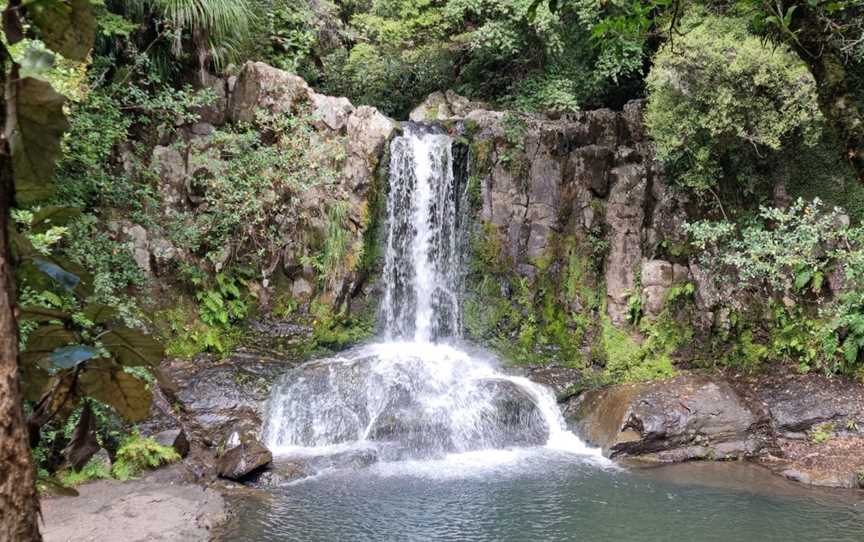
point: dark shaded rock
(796, 403)
(516, 420)
(242, 460)
(687, 417)
(174, 438)
(216, 398)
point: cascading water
(414, 396)
(421, 271)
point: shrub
(138, 453)
(789, 254)
(723, 102)
(95, 469)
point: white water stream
(416, 396)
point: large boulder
(687, 417)
(216, 398)
(441, 106)
(243, 460)
(261, 86)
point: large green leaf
(106, 381)
(133, 348)
(67, 357)
(67, 26)
(43, 314)
(99, 314)
(43, 341)
(53, 215)
(34, 381)
(35, 130)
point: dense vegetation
(745, 99)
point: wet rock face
(688, 417)
(583, 177)
(797, 404)
(565, 382)
(218, 398)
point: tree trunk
(842, 112)
(19, 503)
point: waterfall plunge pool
(479, 488)
(541, 494)
(412, 439)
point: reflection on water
(543, 494)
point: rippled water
(542, 494)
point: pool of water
(546, 495)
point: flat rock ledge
(157, 506)
(807, 428)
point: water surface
(543, 494)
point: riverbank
(157, 506)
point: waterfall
(421, 270)
(416, 395)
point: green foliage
(527, 320)
(88, 173)
(779, 249)
(790, 254)
(138, 453)
(224, 303)
(336, 255)
(337, 330)
(628, 361)
(822, 433)
(186, 335)
(248, 179)
(722, 103)
(95, 469)
(115, 274)
(203, 33)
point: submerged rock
(688, 417)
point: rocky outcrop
(804, 427)
(347, 140)
(444, 106)
(588, 179)
(688, 417)
(243, 457)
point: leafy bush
(723, 102)
(789, 254)
(95, 469)
(248, 177)
(138, 453)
